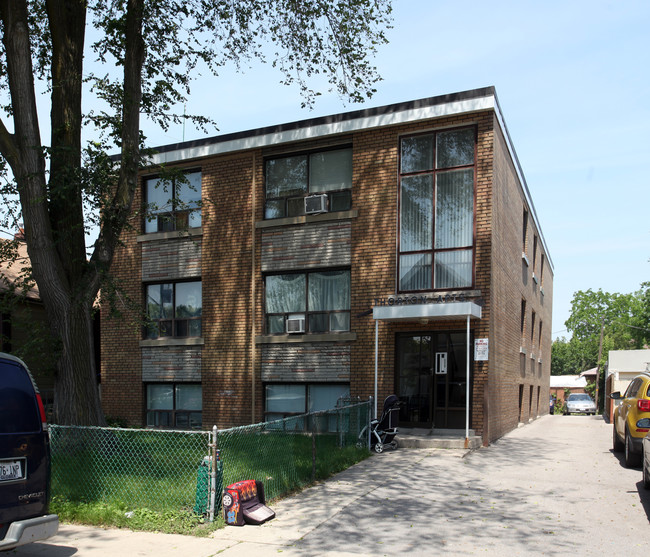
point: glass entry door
(431, 379)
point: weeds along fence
(172, 470)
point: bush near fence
(158, 470)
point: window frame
(533, 316)
(307, 398)
(178, 217)
(173, 412)
(307, 313)
(287, 199)
(524, 239)
(433, 252)
(174, 320)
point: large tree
(144, 54)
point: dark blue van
(24, 459)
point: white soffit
(452, 310)
(325, 129)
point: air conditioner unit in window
(315, 204)
(296, 324)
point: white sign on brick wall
(481, 350)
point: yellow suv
(632, 419)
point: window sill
(524, 258)
(189, 233)
(304, 219)
(192, 341)
(304, 338)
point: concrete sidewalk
(296, 518)
(551, 488)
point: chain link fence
(172, 470)
(144, 468)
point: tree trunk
(76, 396)
(67, 23)
(58, 262)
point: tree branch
(8, 147)
(115, 217)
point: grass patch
(116, 515)
(149, 480)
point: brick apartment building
(369, 251)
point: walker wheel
(378, 448)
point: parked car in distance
(631, 419)
(579, 403)
(24, 459)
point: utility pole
(600, 353)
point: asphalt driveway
(552, 487)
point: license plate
(12, 470)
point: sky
(573, 84)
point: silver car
(579, 403)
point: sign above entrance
(414, 312)
(420, 299)
(481, 350)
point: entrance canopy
(426, 312)
(414, 312)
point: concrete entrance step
(414, 438)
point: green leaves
(623, 318)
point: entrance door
(431, 379)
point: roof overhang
(476, 100)
(415, 312)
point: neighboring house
(366, 251)
(622, 367)
(559, 384)
(23, 317)
(590, 374)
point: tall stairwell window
(437, 176)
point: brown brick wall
(513, 372)
(235, 253)
(374, 242)
(227, 290)
(121, 364)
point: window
(633, 388)
(173, 203)
(174, 405)
(523, 317)
(533, 315)
(539, 339)
(524, 230)
(534, 252)
(291, 399)
(321, 299)
(174, 310)
(436, 244)
(290, 179)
